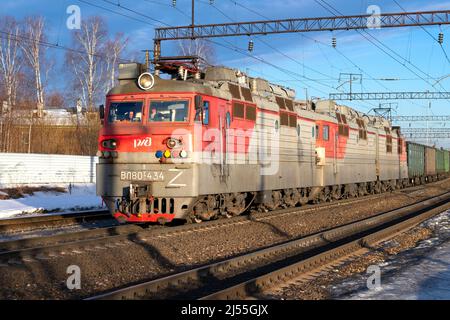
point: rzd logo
(146, 142)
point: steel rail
(307, 250)
(28, 249)
(52, 220)
(258, 284)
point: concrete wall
(37, 169)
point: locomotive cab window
(120, 112)
(169, 111)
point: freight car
(202, 145)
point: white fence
(22, 168)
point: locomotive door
(377, 155)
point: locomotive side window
(125, 112)
(205, 112)
(238, 110)
(292, 120)
(326, 133)
(343, 128)
(284, 119)
(169, 111)
(388, 143)
(250, 113)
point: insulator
(441, 38)
(211, 2)
(181, 71)
(333, 42)
(250, 45)
(174, 3)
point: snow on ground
(82, 196)
(422, 273)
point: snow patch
(81, 197)
(420, 273)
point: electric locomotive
(198, 145)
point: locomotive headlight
(106, 154)
(167, 154)
(146, 81)
(109, 144)
(172, 143)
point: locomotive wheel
(326, 194)
(205, 209)
(291, 197)
(273, 202)
(234, 204)
(336, 193)
(304, 199)
(362, 189)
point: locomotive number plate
(142, 175)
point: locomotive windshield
(169, 111)
(125, 112)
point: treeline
(34, 78)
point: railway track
(52, 220)
(21, 251)
(248, 275)
(28, 249)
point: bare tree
(113, 50)
(10, 62)
(34, 33)
(88, 66)
(200, 48)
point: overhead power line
(230, 46)
(390, 96)
(428, 32)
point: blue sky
(306, 56)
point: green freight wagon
(446, 161)
(416, 160)
(440, 160)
